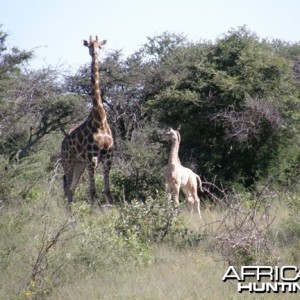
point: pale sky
(56, 28)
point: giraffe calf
(179, 177)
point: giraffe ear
(85, 43)
(102, 43)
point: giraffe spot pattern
(91, 141)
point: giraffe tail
(200, 182)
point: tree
(231, 100)
(33, 103)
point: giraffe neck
(174, 157)
(98, 112)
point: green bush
(156, 220)
(101, 246)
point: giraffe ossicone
(85, 146)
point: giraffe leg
(169, 192)
(197, 202)
(106, 170)
(67, 181)
(190, 202)
(79, 168)
(92, 186)
(189, 199)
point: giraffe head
(170, 135)
(94, 45)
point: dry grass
(175, 275)
(189, 273)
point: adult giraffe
(91, 142)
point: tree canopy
(235, 101)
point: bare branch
(249, 121)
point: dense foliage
(235, 100)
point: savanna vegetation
(237, 102)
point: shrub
(244, 238)
(101, 246)
(156, 220)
